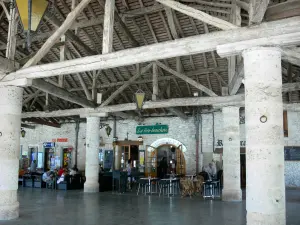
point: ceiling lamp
(31, 13)
(108, 130)
(139, 99)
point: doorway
(33, 154)
(164, 160)
(243, 170)
(49, 162)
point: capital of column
(262, 50)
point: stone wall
(181, 130)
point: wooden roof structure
(135, 24)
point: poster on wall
(108, 159)
(52, 163)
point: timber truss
(183, 54)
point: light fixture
(140, 138)
(108, 130)
(23, 132)
(115, 139)
(196, 94)
(31, 13)
(139, 99)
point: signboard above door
(154, 129)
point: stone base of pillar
(231, 195)
(9, 212)
(91, 187)
(259, 218)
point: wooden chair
(187, 187)
(198, 184)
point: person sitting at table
(60, 171)
(48, 177)
(62, 178)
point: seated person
(47, 177)
(60, 171)
(62, 178)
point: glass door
(125, 155)
(151, 161)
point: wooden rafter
(183, 46)
(175, 102)
(187, 79)
(197, 14)
(257, 10)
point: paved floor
(47, 207)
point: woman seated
(48, 177)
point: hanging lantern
(108, 130)
(31, 12)
(23, 133)
(139, 99)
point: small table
(211, 189)
(150, 180)
(172, 187)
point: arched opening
(165, 156)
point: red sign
(62, 139)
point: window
(285, 124)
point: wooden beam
(283, 10)
(292, 55)
(186, 79)
(243, 5)
(236, 81)
(257, 10)
(58, 33)
(155, 82)
(61, 93)
(43, 122)
(184, 46)
(178, 113)
(8, 65)
(23, 125)
(288, 87)
(142, 11)
(86, 90)
(175, 102)
(108, 27)
(197, 14)
(284, 40)
(70, 34)
(31, 97)
(125, 85)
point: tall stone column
(231, 155)
(92, 154)
(264, 137)
(10, 128)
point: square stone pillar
(264, 137)
(10, 128)
(92, 154)
(231, 155)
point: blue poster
(49, 144)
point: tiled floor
(47, 207)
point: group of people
(49, 176)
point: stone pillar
(264, 137)
(92, 154)
(231, 155)
(10, 128)
(118, 155)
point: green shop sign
(155, 129)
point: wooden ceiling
(137, 23)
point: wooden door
(180, 165)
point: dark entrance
(243, 170)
